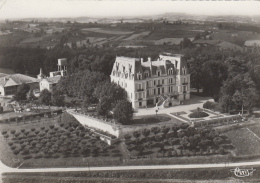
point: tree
(155, 130)
(1, 109)
(45, 97)
(145, 132)
(136, 134)
(123, 112)
(30, 95)
(57, 98)
(110, 90)
(104, 106)
(165, 129)
(196, 71)
(85, 103)
(21, 92)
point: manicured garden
(178, 140)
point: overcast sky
(75, 8)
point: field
(6, 71)
(255, 129)
(135, 36)
(103, 31)
(245, 142)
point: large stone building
(164, 82)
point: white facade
(163, 82)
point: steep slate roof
(16, 79)
(53, 80)
(165, 62)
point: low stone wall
(117, 130)
(91, 122)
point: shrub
(4, 132)
(27, 157)
(165, 129)
(32, 129)
(221, 150)
(210, 105)
(155, 130)
(16, 152)
(10, 143)
(42, 128)
(136, 134)
(22, 130)
(198, 114)
(127, 136)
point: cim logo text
(243, 172)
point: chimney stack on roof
(142, 60)
(149, 59)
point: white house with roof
(49, 83)
(9, 83)
(163, 82)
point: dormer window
(126, 75)
(139, 76)
(170, 71)
(158, 73)
(146, 74)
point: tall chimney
(149, 59)
(142, 60)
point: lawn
(255, 129)
(54, 143)
(151, 119)
(244, 141)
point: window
(158, 82)
(147, 84)
(140, 86)
(154, 91)
(139, 76)
(162, 90)
(147, 92)
(184, 71)
(146, 74)
(170, 71)
(154, 82)
(140, 104)
(169, 89)
(163, 81)
(158, 73)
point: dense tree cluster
(230, 77)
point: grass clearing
(244, 141)
(151, 119)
